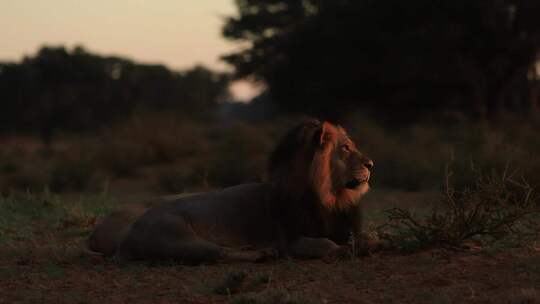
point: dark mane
(297, 142)
(289, 168)
(299, 173)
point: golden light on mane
(320, 167)
(302, 164)
(320, 174)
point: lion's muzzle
(360, 176)
(353, 183)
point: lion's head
(320, 158)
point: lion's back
(241, 212)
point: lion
(308, 208)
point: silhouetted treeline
(76, 90)
(409, 58)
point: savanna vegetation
(443, 96)
(451, 205)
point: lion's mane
(299, 172)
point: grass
(46, 218)
(167, 155)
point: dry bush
(238, 156)
(235, 154)
(410, 158)
(8, 163)
(151, 140)
(414, 157)
(24, 181)
(182, 178)
(498, 207)
(173, 154)
(73, 175)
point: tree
(75, 90)
(413, 56)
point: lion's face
(350, 169)
(339, 171)
(322, 158)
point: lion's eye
(345, 148)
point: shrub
(414, 157)
(26, 181)
(72, 175)
(120, 156)
(8, 166)
(238, 156)
(499, 207)
(180, 179)
(73, 169)
(150, 140)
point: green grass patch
(33, 217)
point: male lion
(308, 206)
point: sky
(177, 33)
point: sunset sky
(177, 33)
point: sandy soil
(428, 277)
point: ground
(43, 260)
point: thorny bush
(498, 207)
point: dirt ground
(53, 267)
(429, 277)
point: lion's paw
(267, 254)
(341, 253)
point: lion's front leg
(235, 255)
(312, 248)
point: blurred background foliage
(74, 90)
(409, 57)
(420, 85)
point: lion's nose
(368, 164)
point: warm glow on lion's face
(340, 173)
(350, 169)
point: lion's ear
(327, 133)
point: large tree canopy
(413, 56)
